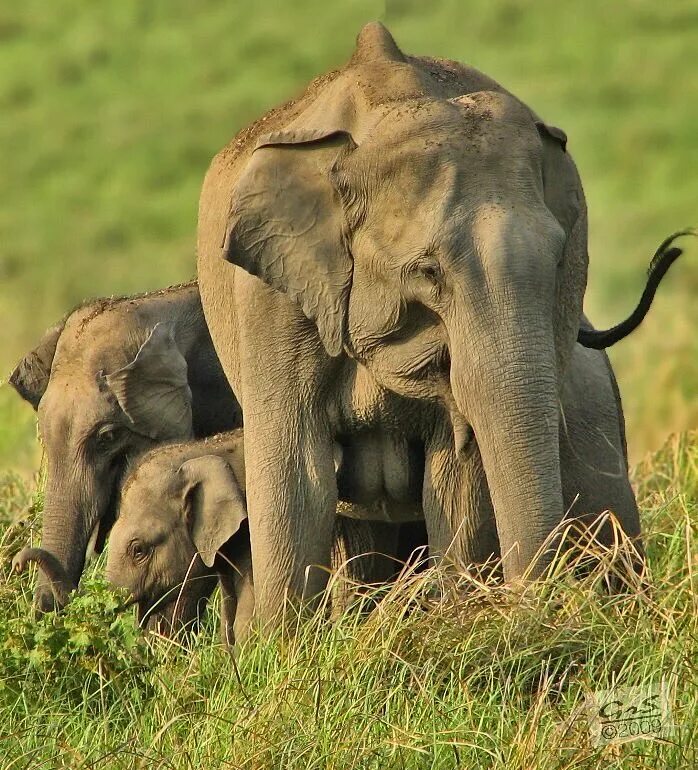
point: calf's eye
(139, 551)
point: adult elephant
(409, 256)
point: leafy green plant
(78, 650)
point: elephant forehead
(72, 406)
(495, 106)
(99, 337)
(151, 486)
(426, 177)
(147, 516)
(479, 123)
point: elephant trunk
(508, 394)
(67, 524)
(51, 569)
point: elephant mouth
(149, 614)
(463, 433)
(175, 610)
(98, 536)
(102, 527)
(181, 616)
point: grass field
(483, 677)
(111, 112)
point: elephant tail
(50, 566)
(663, 259)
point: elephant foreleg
(244, 588)
(229, 606)
(291, 501)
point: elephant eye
(139, 551)
(107, 436)
(428, 271)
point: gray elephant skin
(396, 261)
(114, 378)
(182, 519)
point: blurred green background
(110, 112)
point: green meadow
(110, 112)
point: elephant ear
(213, 503)
(564, 197)
(286, 225)
(560, 179)
(153, 391)
(31, 375)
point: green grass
(467, 676)
(112, 111)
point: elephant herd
(391, 270)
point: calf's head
(174, 517)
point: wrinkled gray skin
(115, 378)
(397, 259)
(182, 520)
(50, 568)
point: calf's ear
(31, 375)
(153, 390)
(213, 504)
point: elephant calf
(188, 498)
(116, 377)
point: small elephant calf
(188, 498)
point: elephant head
(172, 521)
(107, 384)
